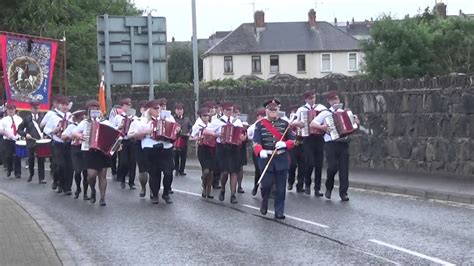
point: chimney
(312, 18)
(440, 10)
(172, 39)
(335, 21)
(259, 19)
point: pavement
(429, 186)
(23, 242)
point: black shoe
(344, 198)
(17, 176)
(299, 190)
(132, 187)
(318, 193)
(102, 202)
(307, 190)
(171, 191)
(92, 196)
(210, 196)
(216, 186)
(166, 198)
(254, 190)
(221, 196)
(42, 182)
(143, 193)
(155, 200)
(54, 186)
(86, 197)
(68, 193)
(327, 194)
(176, 173)
(240, 190)
(76, 194)
(122, 185)
(60, 190)
(279, 216)
(264, 208)
(182, 174)
(9, 173)
(233, 199)
(30, 178)
(290, 186)
(203, 193)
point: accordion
(165, 130)
(341, 124)
(207, 140)
(126, 122)
(307, 116)
(231, 134)
(101, 137)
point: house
(310, 49)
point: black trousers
(313, 148)
(257, 172)
(296, 162)
(127, 162)
(12, 162)
(337, 156)
(31, 163)
(180, 159)
(63, 173)
(113, 166)
(159, 161)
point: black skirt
(228, 158)
(96, 160)
(207, 157)
(77, 157)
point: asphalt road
(372, 228)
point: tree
(180, 63)
(423, 45)
(75, 18)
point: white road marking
(414, 253)
(290, 217)
(256, 208)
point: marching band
(81, 146)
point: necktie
(13, 127)
(228, 120)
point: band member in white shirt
(337, 151)
(137, 146)
(126, 156)
(95, 161)
(9, 130)
(57, 123)
(158, 151)
(313, 145)
(229, 161)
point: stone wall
(421, 125)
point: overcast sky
(226, 15)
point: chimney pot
(259, 19)
(312, 18)
(335, 21)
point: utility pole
(195, 59)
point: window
(301, 61)
(228, 65)
(256, 64)
(352, 61)
(274, 62)
(325, 62)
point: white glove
(280, 145)
(263, 154)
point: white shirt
(6, 126)
(52, 124)
(197, 128)
(148, 142)
(69, 129)
(319, 119)
(216, 125)
(136, 124)
(47, 116)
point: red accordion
(126, 122)
(341, 124)
(101, 137)
(165, 130)
(231, 134)
(181, 142)
(207, 140)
